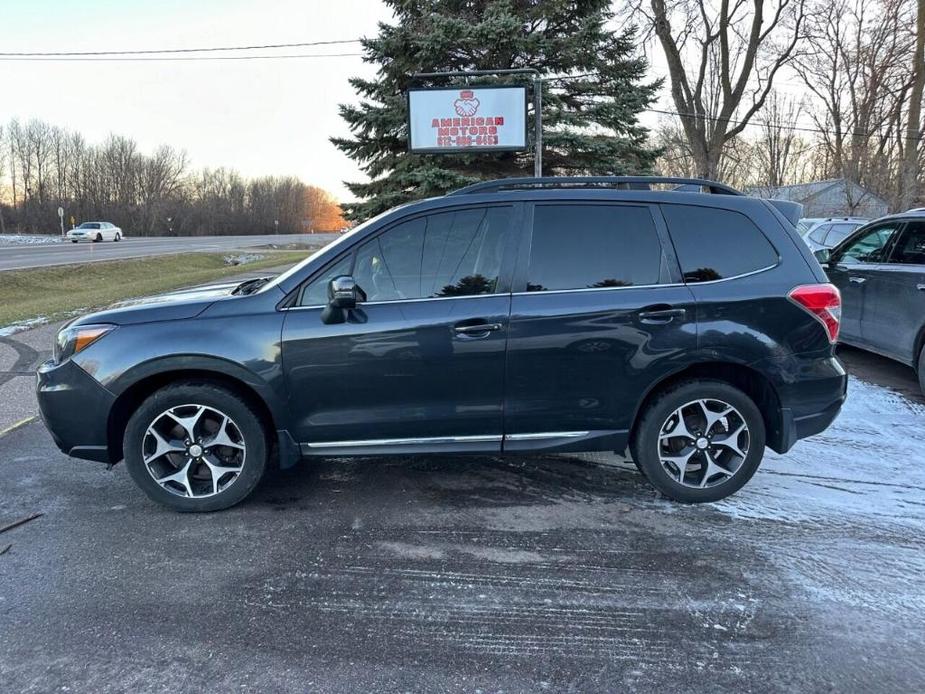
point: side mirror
(823, 255)
(343, 292)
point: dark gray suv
(691, 325)
(880, 270)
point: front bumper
(75, 409)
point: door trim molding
(422, 441)
(538, 436)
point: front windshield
(89, 225)
(343, 240)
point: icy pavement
(868, 466)
(440, 573)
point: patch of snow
(8, 330)
(28, 240)
(242, 258)
(867, 465)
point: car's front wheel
(195, 447)
(699, 441)
(98, 238)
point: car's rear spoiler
(792, 211)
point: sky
(261, 117)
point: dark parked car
(880, 271)
(513, 316)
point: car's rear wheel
(117, 238)
(195, 447)
(699, 441)
(73, 240)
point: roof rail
(627, 182)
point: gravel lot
(473, 574)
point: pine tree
(592, 95)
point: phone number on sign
(467, 141)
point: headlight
(73, 339)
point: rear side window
(715, 244)
(839, 233)
(592, 246)
(819, 233)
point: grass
(54, 292)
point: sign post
(61, 219)
(468, 118)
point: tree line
(43, 166)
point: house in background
(837, 197)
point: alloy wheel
(703, 443)
(194, 451)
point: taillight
(824, 302)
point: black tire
(73, 240)
(117, 238)
(219, 399)
(99, 237)
(645, 444)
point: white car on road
(95, 231)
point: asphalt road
(474, 574)
(18, 257)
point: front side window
(714, 244)
(456, 253)
(592, 246)
(315, 292)
(910, 249)
(869, 247)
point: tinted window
(89, 225)
(316, 292)
(819, 233)
(713, 244)
(448, 254)
(910, 250)
(588, 246)
(869, 247)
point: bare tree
(859, 73)
(781, 149)
(913, 141)
(722, 61)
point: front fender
(242, 347)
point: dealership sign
(467, 119)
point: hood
(174, 305)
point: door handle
(857, 280)
(661, 315)
(476, 329)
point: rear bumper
(810, 402)
(75, 409)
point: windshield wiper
(250, 286)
